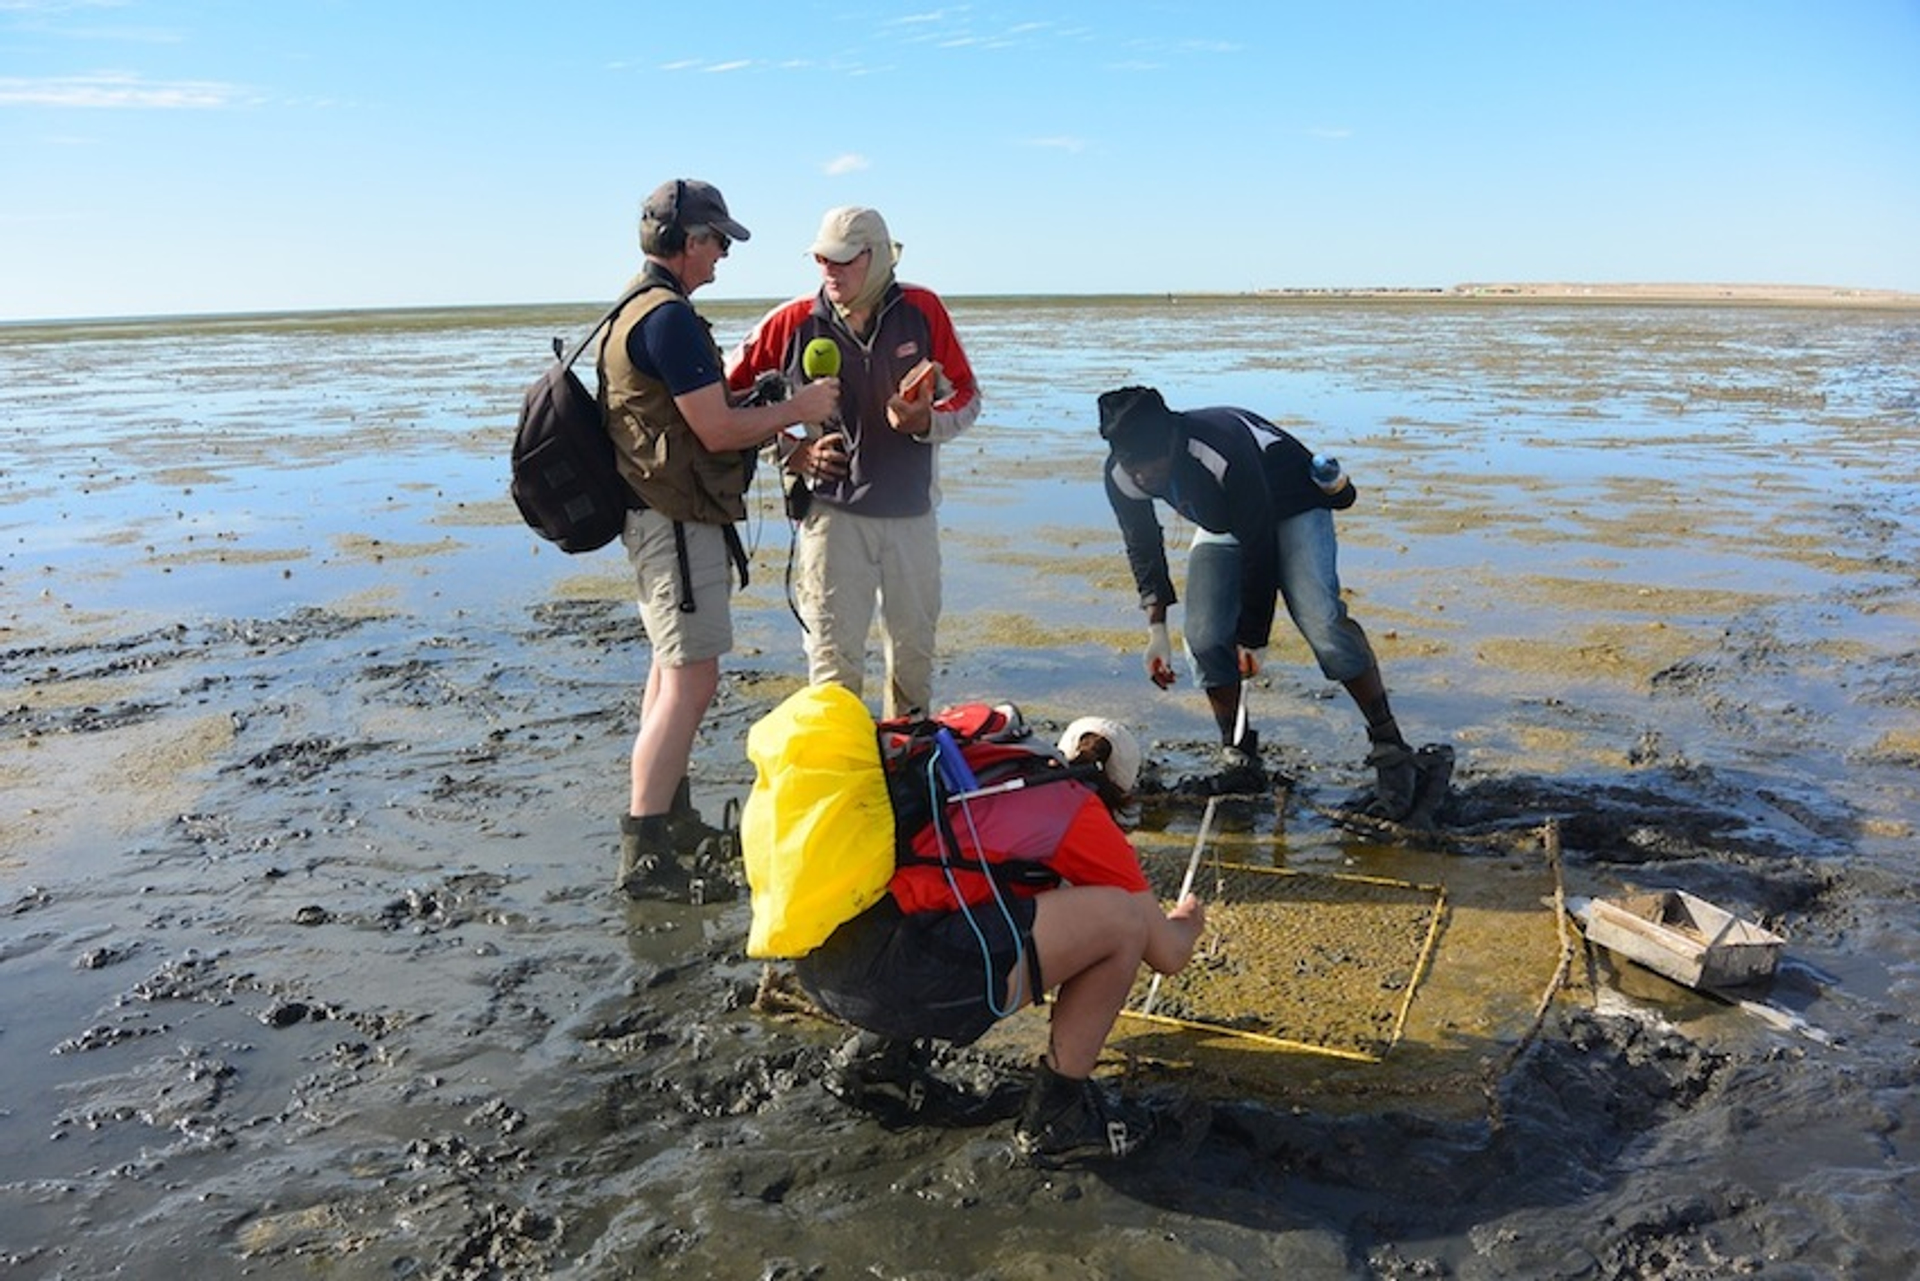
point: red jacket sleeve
(945, 346)
(767, 343)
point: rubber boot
(1241, 769)
(689, 830)
(1396, 779)
(1434, 761)
(714, 859)
(870, 1068)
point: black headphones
(669, 238)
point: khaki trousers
(844, 564)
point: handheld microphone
(821, 359)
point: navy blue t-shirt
(673, 344)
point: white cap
(1123, 757)
(849, 231)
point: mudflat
(312, 760)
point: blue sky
(190, 156)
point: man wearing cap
(1264, 528)
(870, 531)
(686, 448)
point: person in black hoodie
(1264, 533)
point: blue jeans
(1309, 585)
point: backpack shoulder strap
(559, 348)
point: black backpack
(917, 757)
(565, 480)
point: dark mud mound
(1562, 1121)
(1715, 833)
(1721, 838)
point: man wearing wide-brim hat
(869, 534)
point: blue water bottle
(952, 765)
(1328, 474)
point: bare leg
(1369, 693)
(676, 699)
(1224, 700)
(1092, 940)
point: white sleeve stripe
(1124, 483)
(1208, 457)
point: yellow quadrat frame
(1424, 961)
(1436, 916)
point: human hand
(1186, 921)
(825, 458)
(1159, 658)
(816, 402)
(1252, 661)
(910, 417)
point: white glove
(1159, 660)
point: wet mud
(312, 963)
(365, 1012)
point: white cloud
(1058, 144)
(117, 91)
(852, 162)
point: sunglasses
(824, 261)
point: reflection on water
(1512, 458)
(234, 451)
(230, 457)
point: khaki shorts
(680, 637)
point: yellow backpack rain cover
(817, 830)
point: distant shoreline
(1573, 291)
(1471, 292)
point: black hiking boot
(1241, 770)
(893, 1080)
(649, 868)
(1067, 1121)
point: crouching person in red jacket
(1009, 894)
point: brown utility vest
(658, 453)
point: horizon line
(1552, 291)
